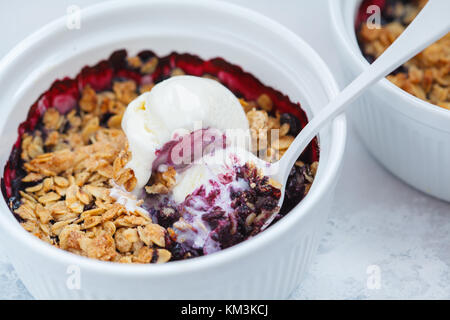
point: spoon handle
(431, 24)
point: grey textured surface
(379, 221)
(11, 288)
(376, 219)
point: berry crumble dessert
(135, 159)
(425, 76)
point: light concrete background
(377, 222)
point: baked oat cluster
(425, 76)
(60, 174)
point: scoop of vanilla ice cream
(179, 103)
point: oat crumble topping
(71, 160)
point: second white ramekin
(410, 137)
(268, 266)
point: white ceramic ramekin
(267, 266)
(410, 137)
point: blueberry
(293, 122)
